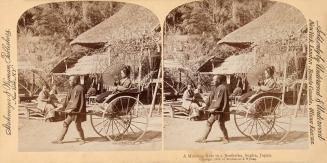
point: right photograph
(235, 76)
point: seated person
(91, 91)
(46, 103)
(267, 84)
(124, 84)
(190, 103)
(237, 91)
(187, 97)
(198, 98)
(53, 97)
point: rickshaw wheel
(126, 119)
(97, 120)
(263, 119)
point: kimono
(190, 103)
(268, 85)
(42, 100)
(187, 99)
(46, 104)
(122, 85)
(75, 103)
(218, 103)
(126, 83)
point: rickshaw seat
(131, 92)
(275, 93)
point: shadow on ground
(147, 137)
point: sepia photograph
(176, 81)
(235, 76)
(89, 77)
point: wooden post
(33, 84)
(284, 81)
(300, 92)
(155, 93)
(180, 80)
(140, 69)
(66, 65)
(139, 75)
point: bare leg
(80, 131)
(207, 130)
(223, 129)
(64, 130)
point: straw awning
(130, 22)
(279, 22)
(236, 64)
(94, 64)
(63, 65)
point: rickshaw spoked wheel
(124, 118)
(263, 119)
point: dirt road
(180, 134)
(36, 135)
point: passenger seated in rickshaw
(124, 84)
(267, 85)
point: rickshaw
(120, 117)
(264, 116)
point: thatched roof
(280, 21)
(130, 22)
(94, 64)
(236, 64)
(63, 65)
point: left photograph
(89, 77)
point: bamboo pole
(33, 78)
(140, 65)
(155, 93)
(285, 71)
(284, 81)
(300, 92)
(180, 80)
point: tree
(45, 31)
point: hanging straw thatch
(236, 64)
(279, 22)
(130, 22)
(63, 65)
(95, 64)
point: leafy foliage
(45, 31)
(193, 30)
